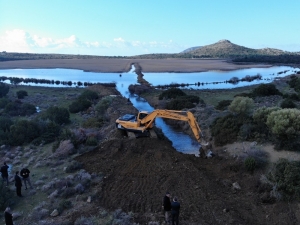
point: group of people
(171, 209)
(18, 183)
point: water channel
(181, 141)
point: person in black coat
(167, 207)
(175, 207)
(18, 184)
(4, 173)
(8, 217)
(26, 178)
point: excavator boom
(145, 121)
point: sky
(135, 27)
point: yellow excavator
(142, 124)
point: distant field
(123, 65)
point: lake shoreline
(124, 65)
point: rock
(89, 199)
(236, 186)
(54, 213)
(65, 148)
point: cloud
(18, 40)
(15, 41)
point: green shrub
(241, 105)
(183, 102)
(5, 123)
(4, 89)
(103, 104)
(171, 93)
(288, 104)
(178, 104)
(91, 141)
(18, 109)
(74, 166)
(285, 126)
(93, 122)
(88, 95)
(79, 105)
(266, 90)
(3, 102)
(295, 83)
(250, 164)
(21, 94)
(223, 105)
(260, 117)
(57, 115)
(287, 176)
(225, 129)
(292, 96)
(23, 131)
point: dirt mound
(138, 172)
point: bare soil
(123, 65)
(138, 172)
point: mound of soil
(138, 172)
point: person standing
(25, 175)
(18, 184)
(167, 207)
(175, 207)
(4, 173)
(8, 217)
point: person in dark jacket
(25, 175)
(18, 184)
(167, 207)
(8, 217)
(175, 207)
(4, 173)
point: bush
(225, 129)
(3, 102)
(222, 105)
(288, 104)
(171, 93)
(91, 141)
(241, 105)
(183, 102)
(18, 109)
(266, 90)
(23, 131)
(260, 117)
(74, 166)
(64, 204)
(4, 89)
(57, 115)
(103, 104)
(287, 176)
(88, 95)
(250, 164)
(79, 105)
(21, 94)
(285, 125)
(93, 122)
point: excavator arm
(175, 115)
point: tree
(4, 89)
(241, 105)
